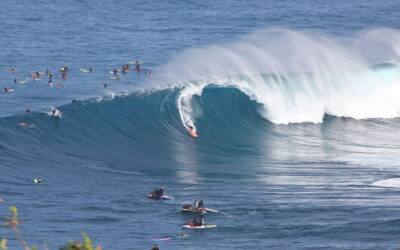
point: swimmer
(155, 247)
(13, 70)
(38, 180)
(137, 64)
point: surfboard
(100, 86)
(211, 210)
(10, 90)
(199, 227)
(203, 211)
(42, 73)
(167, 197)
(112, 72)
(83, 70)
(193, 133)
(22, 82)
(164, 239)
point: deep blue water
(296, 105)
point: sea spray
(297, 76)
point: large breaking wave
(297, 76)
(233, 93)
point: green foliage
(13, 222)
(3, 244)
(87, 244)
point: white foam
(297, 76)
(393, 182)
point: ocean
(295, 103)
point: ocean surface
(296, 104)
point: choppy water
(296, 106)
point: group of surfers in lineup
(64, 70)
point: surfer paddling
(12, 70)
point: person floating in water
(137, 64)
(16, 80)
(90, 70)
(64, 69)
(125, 68)
(13, 70)
(105, 85)
(155, 247)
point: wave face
(237, 93)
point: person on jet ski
(195, 205)
(195, 222)
(162, 191)
(202, 222)
(201, 204)
(156, 192)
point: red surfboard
(193, 133)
